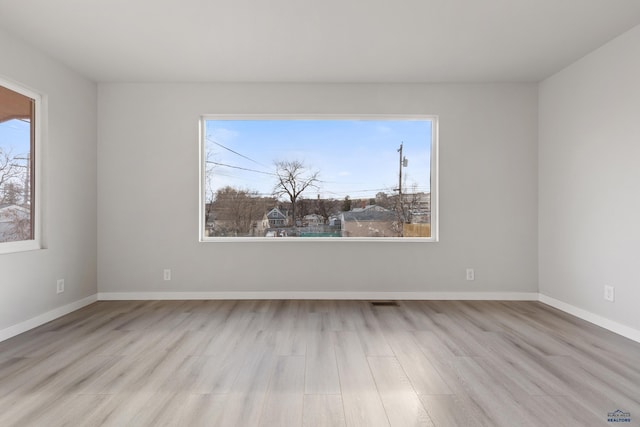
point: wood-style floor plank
(371, 334)
(202, 410)
(449, 410)
(502, 408)
(284, 401)
(321, 367)
(248, 392)
(423, 375)
(323, 410)
(317, 363)
(362, 402)
(401, 403)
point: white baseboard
(34, 322)
(337, 295)
(618, 328)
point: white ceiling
(318, 40)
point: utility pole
(403, 163)
(400, 172)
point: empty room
(295, 213)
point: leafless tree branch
(293, 178)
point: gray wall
(148, 192)
(589, 180)
(28, 279)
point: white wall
(148, 192)
(589, 182)
(28, 279)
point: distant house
(334, 221)
(274, 218)
(313, 219)
(370, 221)
(370, 208)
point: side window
(18, 134)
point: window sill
(22, 246)
(318, 239)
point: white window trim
(434, 186)
(36, 211)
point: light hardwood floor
(317, 363)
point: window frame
(434, 171)
(37, 130)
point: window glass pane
(16, 166)
(317, 178)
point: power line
(347, 192)
(354, 193)
(234, 152)
(241, 168)
(338, 193)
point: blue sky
(15, 136)
(357, 158)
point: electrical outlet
(60, 286)
(471, 275)
(609, 293)
(167, 274)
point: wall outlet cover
(471, 275)
(609, 293)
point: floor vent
(384, 303)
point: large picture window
(331, 178)
(18, 141)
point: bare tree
(10, 175)
(346, 204)
(405, 205)
(326, 208)
(237, 210)
(303, 208)
(209, 192)
(292, 179)
(382, 199)
(12, 193)
(19, 219)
